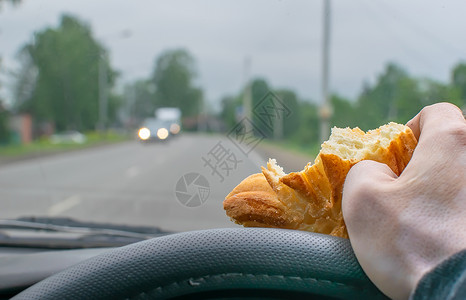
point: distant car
(171, 115)
(154, 129)
(68, 137)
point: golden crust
(253, 203)
(311, 199)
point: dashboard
(23, 267)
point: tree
(3, 122)
(458, 82)
(394, 97)
(4, 128)
(408, 101)
(25, 80)
(377, 104)
(173, 78)
(291, 122)
(344, 112)
(259, 89)
(66, 90)
(307, 131)
(229, 111)
(433, 91)
(140, 100)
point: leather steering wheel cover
(213, 260)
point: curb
(39, 154)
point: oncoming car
(154, 129)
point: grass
(44, 145)
(287, 145)
(94, 138)
(308, 150)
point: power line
(396, 14)
(406, 47)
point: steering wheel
(218, 263)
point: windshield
(149, 113)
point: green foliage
(344, 112)
(173, 78)
(140, 100)
(300, 127)
(259, 89)
(398, 97)
(59, 83)
(378, 103)
(115, 101)
(433, 91)
(459, 82)
(407, 103)
(4, 130)
(229, 110)
(44, 145)
(26, 78)
(66, 90)
(307, 131)
(394, 96)
(291, 122)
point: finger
(364, 183)
(414, 125)
(440, 130)
(367, 207)
(431, 116)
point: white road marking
(133, 171)
(64, 205)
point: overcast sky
(282, 38)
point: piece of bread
(311, 199)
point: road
(130, 183)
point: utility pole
(103, 99)
(131, 101)
(247, 105)
(278, 126)
(202, 117)
(103, 84)
(326, 107)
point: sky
(282, 39)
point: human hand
(402, 227)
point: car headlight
(162, 133)
(144, 133)
(174, 128)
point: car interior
(89, 209)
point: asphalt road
(131, 183)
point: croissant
(310, 200)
